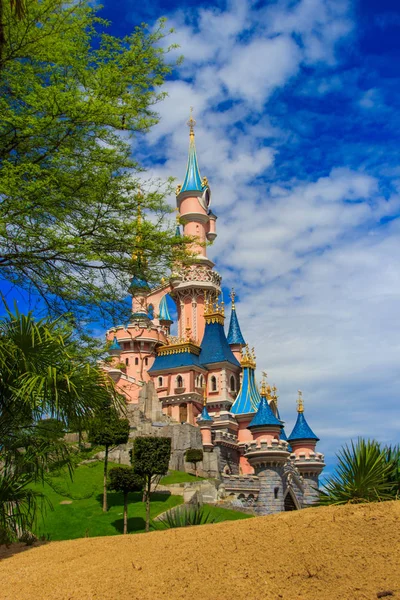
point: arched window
(150, 311)
(213, 384)
(146, 361)
(201, 381)
(127, 361)
(182, 413)
(179, 382)
(160, 382)
(233, 383)
(136, 361)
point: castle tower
(267, 454)
(308, 462)
(235, 337)
(205, 422)
(191, 282)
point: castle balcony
(196, 276)
(224, 438)
(225, 420)
(308, 464)
(261, 452)
(243, 487)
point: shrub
(185, 516)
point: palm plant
(365, 473)
(184, 516)
(43, 373)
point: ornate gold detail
(179, 348)
(191, 123)
(204, 182)
(233, 296)
(204, 394)
(248, 358)
(178, 189)
(214, 311)
(300, 402)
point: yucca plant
(366, 472)
(185, 516)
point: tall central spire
(192, 181)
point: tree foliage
(194, 456)
(150, 458)
(72, 99)
(125, 480)
(43, 372)
(109, 430)
(366, 472)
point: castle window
(146, 361)
(160, 382)
(201, 381)
(233, 384)
(127, 361)
(179, 382)
(276, 492)
(213, 384)
(136, 361)
(150, 311)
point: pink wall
(303, 446)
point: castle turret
(235, 337)
(164, 317)
(309, 462)
(205, 422)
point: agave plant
(185, 516)
(365, 473)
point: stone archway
(290, 502)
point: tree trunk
(148, 503)
(125, 512)
(105, 480)
(195, 469)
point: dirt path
(346, 553)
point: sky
(297, 104)
(298, 121)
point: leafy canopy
(72, 100)
(124, 479)
(107, 428)
(150, 456)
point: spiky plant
(365, 473)
(185, 516)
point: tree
(194, 456)
(50, 429)
(72, 98)
(150, 458)
(109, 430)
(125, 480)
(366, 472)
(43, 372)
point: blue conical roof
(234, 334)
(115, 344)
(163, 310)
(178, 231)
(264, 416)
(204, 416)
(302, 430)
(192, 181)
(248, 398)
(138, 284)
(215, 347)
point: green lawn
(179, 477)
(84, 516)
(224, 514)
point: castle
(207, 378)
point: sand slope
(345, 553)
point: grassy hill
(77, 506)
(332, 553)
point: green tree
(366, 472)
(72, 99)
(50, 429)
(194, 456)
(125, 480)
(109, 430)
(43, 372)
(150, 458)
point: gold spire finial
(204, 394)
(300, 403)
(274, 394)
(233, 296)
(191, 123)
(263, 391)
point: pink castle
(207, 378)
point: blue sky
(298, 120)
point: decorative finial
(274, 395)
(263, 391)
(233, 296)
(300, 403)
(191, 123)
(204, 394)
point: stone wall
(228, 459)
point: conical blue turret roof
(204, 416)
(302, 430)
(264, 416)
(248, 398)
(215, 347)
(115, 345)
(163, 310)
(234, 334)
(192, 181)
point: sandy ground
(345, 553)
